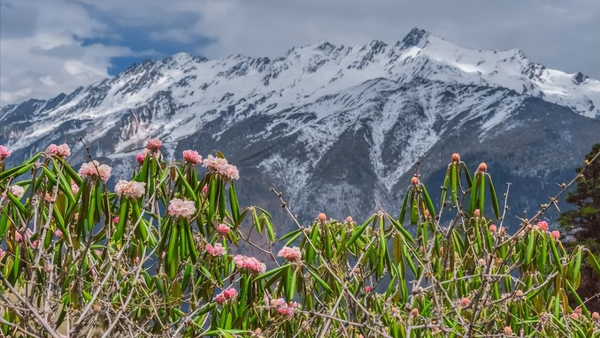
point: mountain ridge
(295, 118)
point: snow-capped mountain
(338, 128)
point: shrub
(160, 258)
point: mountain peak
(416, 37)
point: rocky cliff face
(337, 128)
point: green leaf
(320, 280)
(233, 203)
(358, 231)
(403, 208)
(454, 178)
(123, 215)
(189, 192)
(494, 197)
(591, 259)
(428, 201)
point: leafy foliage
(584, 222)
(83, 260)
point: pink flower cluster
(227, 294)
(290, 254)
(181, 208)
(215, 251)
(154, 144)
(131, 189)
(74, 188)
(555, 234)
(222, 167)
(284, 308)
(62, 150)
(223, 229)
(543, 225)
(4, 152)
(94, 169)
(142, 156)
(17, 190)
(192, 156)
(249, 263)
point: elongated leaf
(233, 203)
(428, 201)
(591, 259)
(454, 178)
(320, 281)
(403, 208)
(189, 192)
(494, 197)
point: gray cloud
(558, 34)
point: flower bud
(455, 157)
(322, 217)
(465, 302)
(493, 228)
(414, 312)
(508, 331)
(414, 181)
(482, 167)
(596, 316)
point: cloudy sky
(53, 46)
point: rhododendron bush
(158, 255)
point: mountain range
(337, 129)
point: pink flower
(290, 254)
(220, 299)
(17, 190)
(181, 208)
(192, 156)
(142, 156)
(116, 219)
(230, 293)
(227, 294)
(215, 251)
(349, 219)
(223, 229)
(477, 213)
(414, 181)
(286, 311)
(63, 150)
(35, 244)
(555, 234)
(277, 302)
(74, 188)
(367, 289)
(131, 189)
(4, 152)
(220, 166)
(94, 169)
(231, 172)
(465, 302)
(282, 307)
(1, 253)
(493, 228)
(205, 189)
(249, 263)
(18, 237)
(543, 225)
(51, 150)
(58, 233)
(154, 144)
